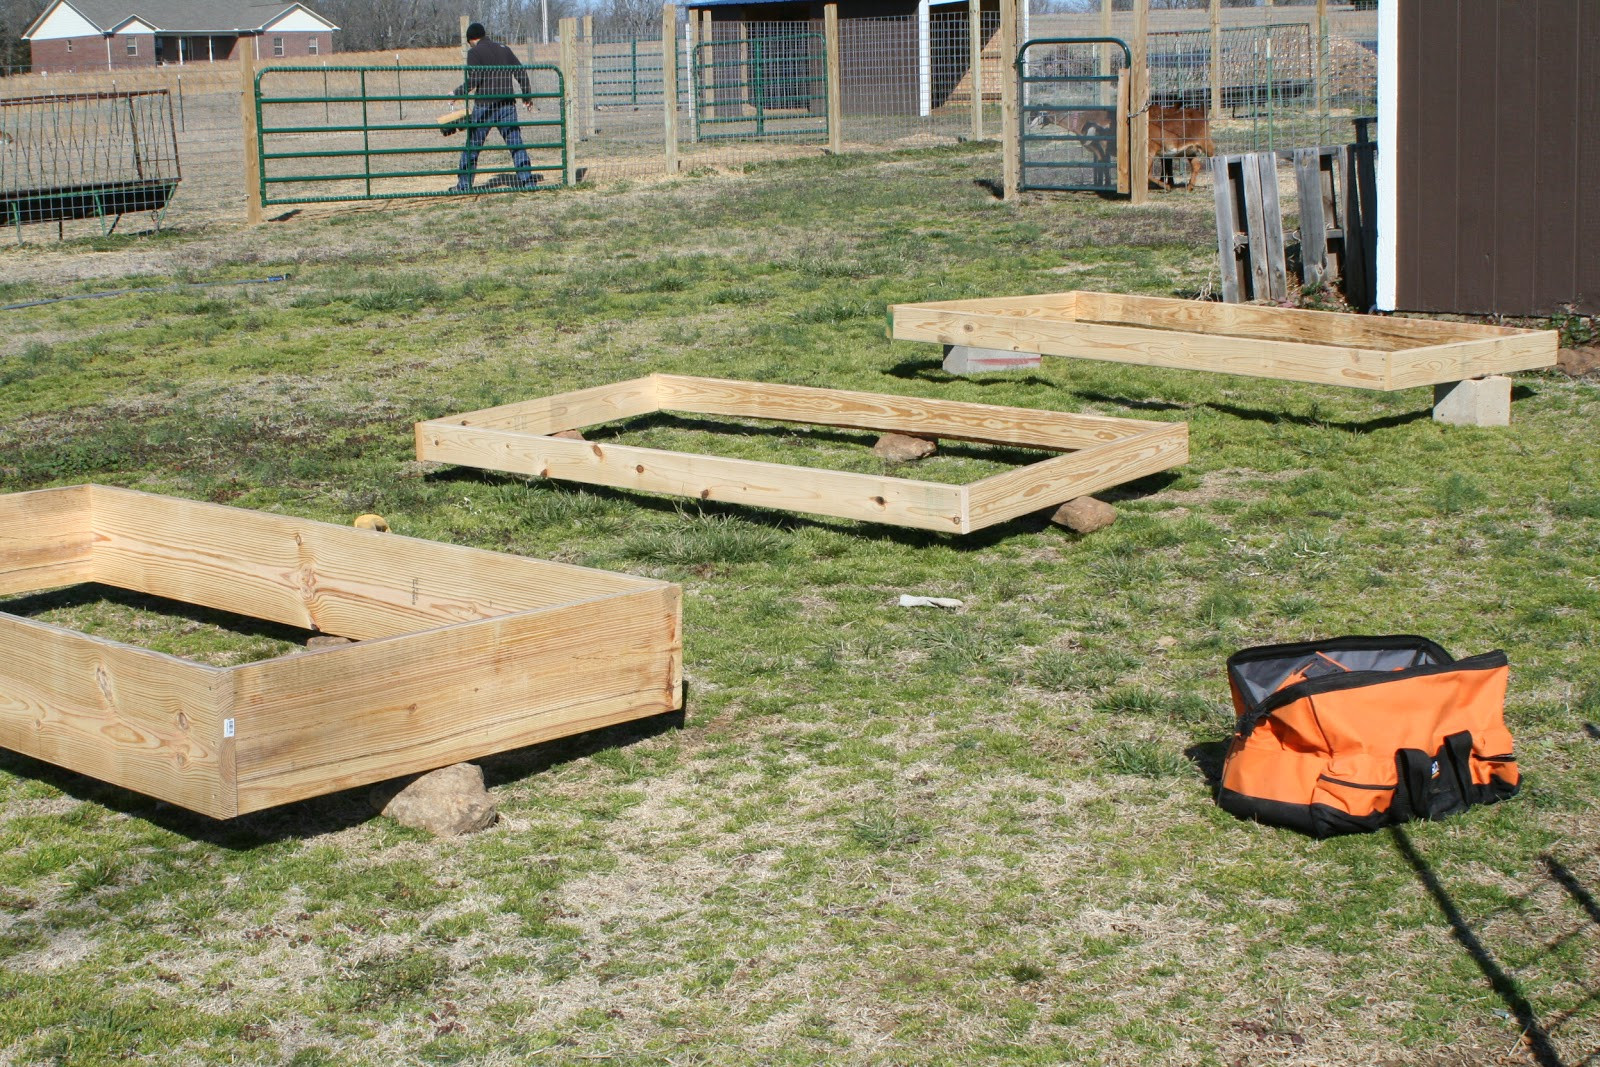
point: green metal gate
(328, 134)
(626, 75)
(1068, 95)
(761, 86)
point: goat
(1179, 133)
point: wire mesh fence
(86, 156)
(904, 82)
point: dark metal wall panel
(1496, 159)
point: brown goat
(1179, 133)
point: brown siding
(1498, 207)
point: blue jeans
(501, 113)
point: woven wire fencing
(72, 156)
(1276, 81)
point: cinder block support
(959, 359)
(1475, 402)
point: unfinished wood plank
(1255, 232)
(1224, 191)
(139, 719)
(924, 505)
(416, 702)
(355, 583)
(1313, 223)
(44, 539)
(1272, 222)
(1378, 332)
(1043, 485)
(1438, 364)
(567, 411)
(1295, 361)
(987, 423)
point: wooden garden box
(1330, 348)
(1100, 452)
(458, 652)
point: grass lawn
(884, 835)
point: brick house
(84, 35)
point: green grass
(884, 835)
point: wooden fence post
(1321, 60)
(568, 28)
(586, 56)
(252, 147)
(464, 46)
(1010, 130)
(1105, 49)
(1216, 60)
(975, 63)
(830, 35)
(1139, 105)
(669, 81)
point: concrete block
(959, 359)
(1475, 402)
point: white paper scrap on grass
(909, 601)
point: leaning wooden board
(1099, 452)
(458, 652)
(1330, 348)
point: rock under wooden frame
(1100, 452)
(1325, 347)
(457, 653)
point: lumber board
(139, 719)
(1228, 228)
(1380, 332)
(1272, 226)
(568, 411)
(44, 539)
(843, 494)
(1294, 361)
(1313, 221)
(459, 652)
(1062, 478)
(356, 583)
(421, 701)
(1438, 364)
(986, 423)
(1361, 351)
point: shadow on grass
(1387, 422)
(926, 370)
(786, 521)
(1535, 1033)
(76, 596)
(335, 811)
(1207, 756)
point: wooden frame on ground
(1329, 348)
(1100, 452)
(457, 652)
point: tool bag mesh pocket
(1355, 733)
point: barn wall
(1497, 163)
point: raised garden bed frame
(1101, 452)
(458, 652)
(1325, 347)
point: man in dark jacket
(493, 100)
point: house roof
(182, 16)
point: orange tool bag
(1355, 733)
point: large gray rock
(903, 447)
(449, 802)
(1084, 515)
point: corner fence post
(568, 29)
(1010, 119)
(252, 143)
(669, 81)
(830, 29)
(1139, 105)
(975, 63)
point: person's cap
(475, 32)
